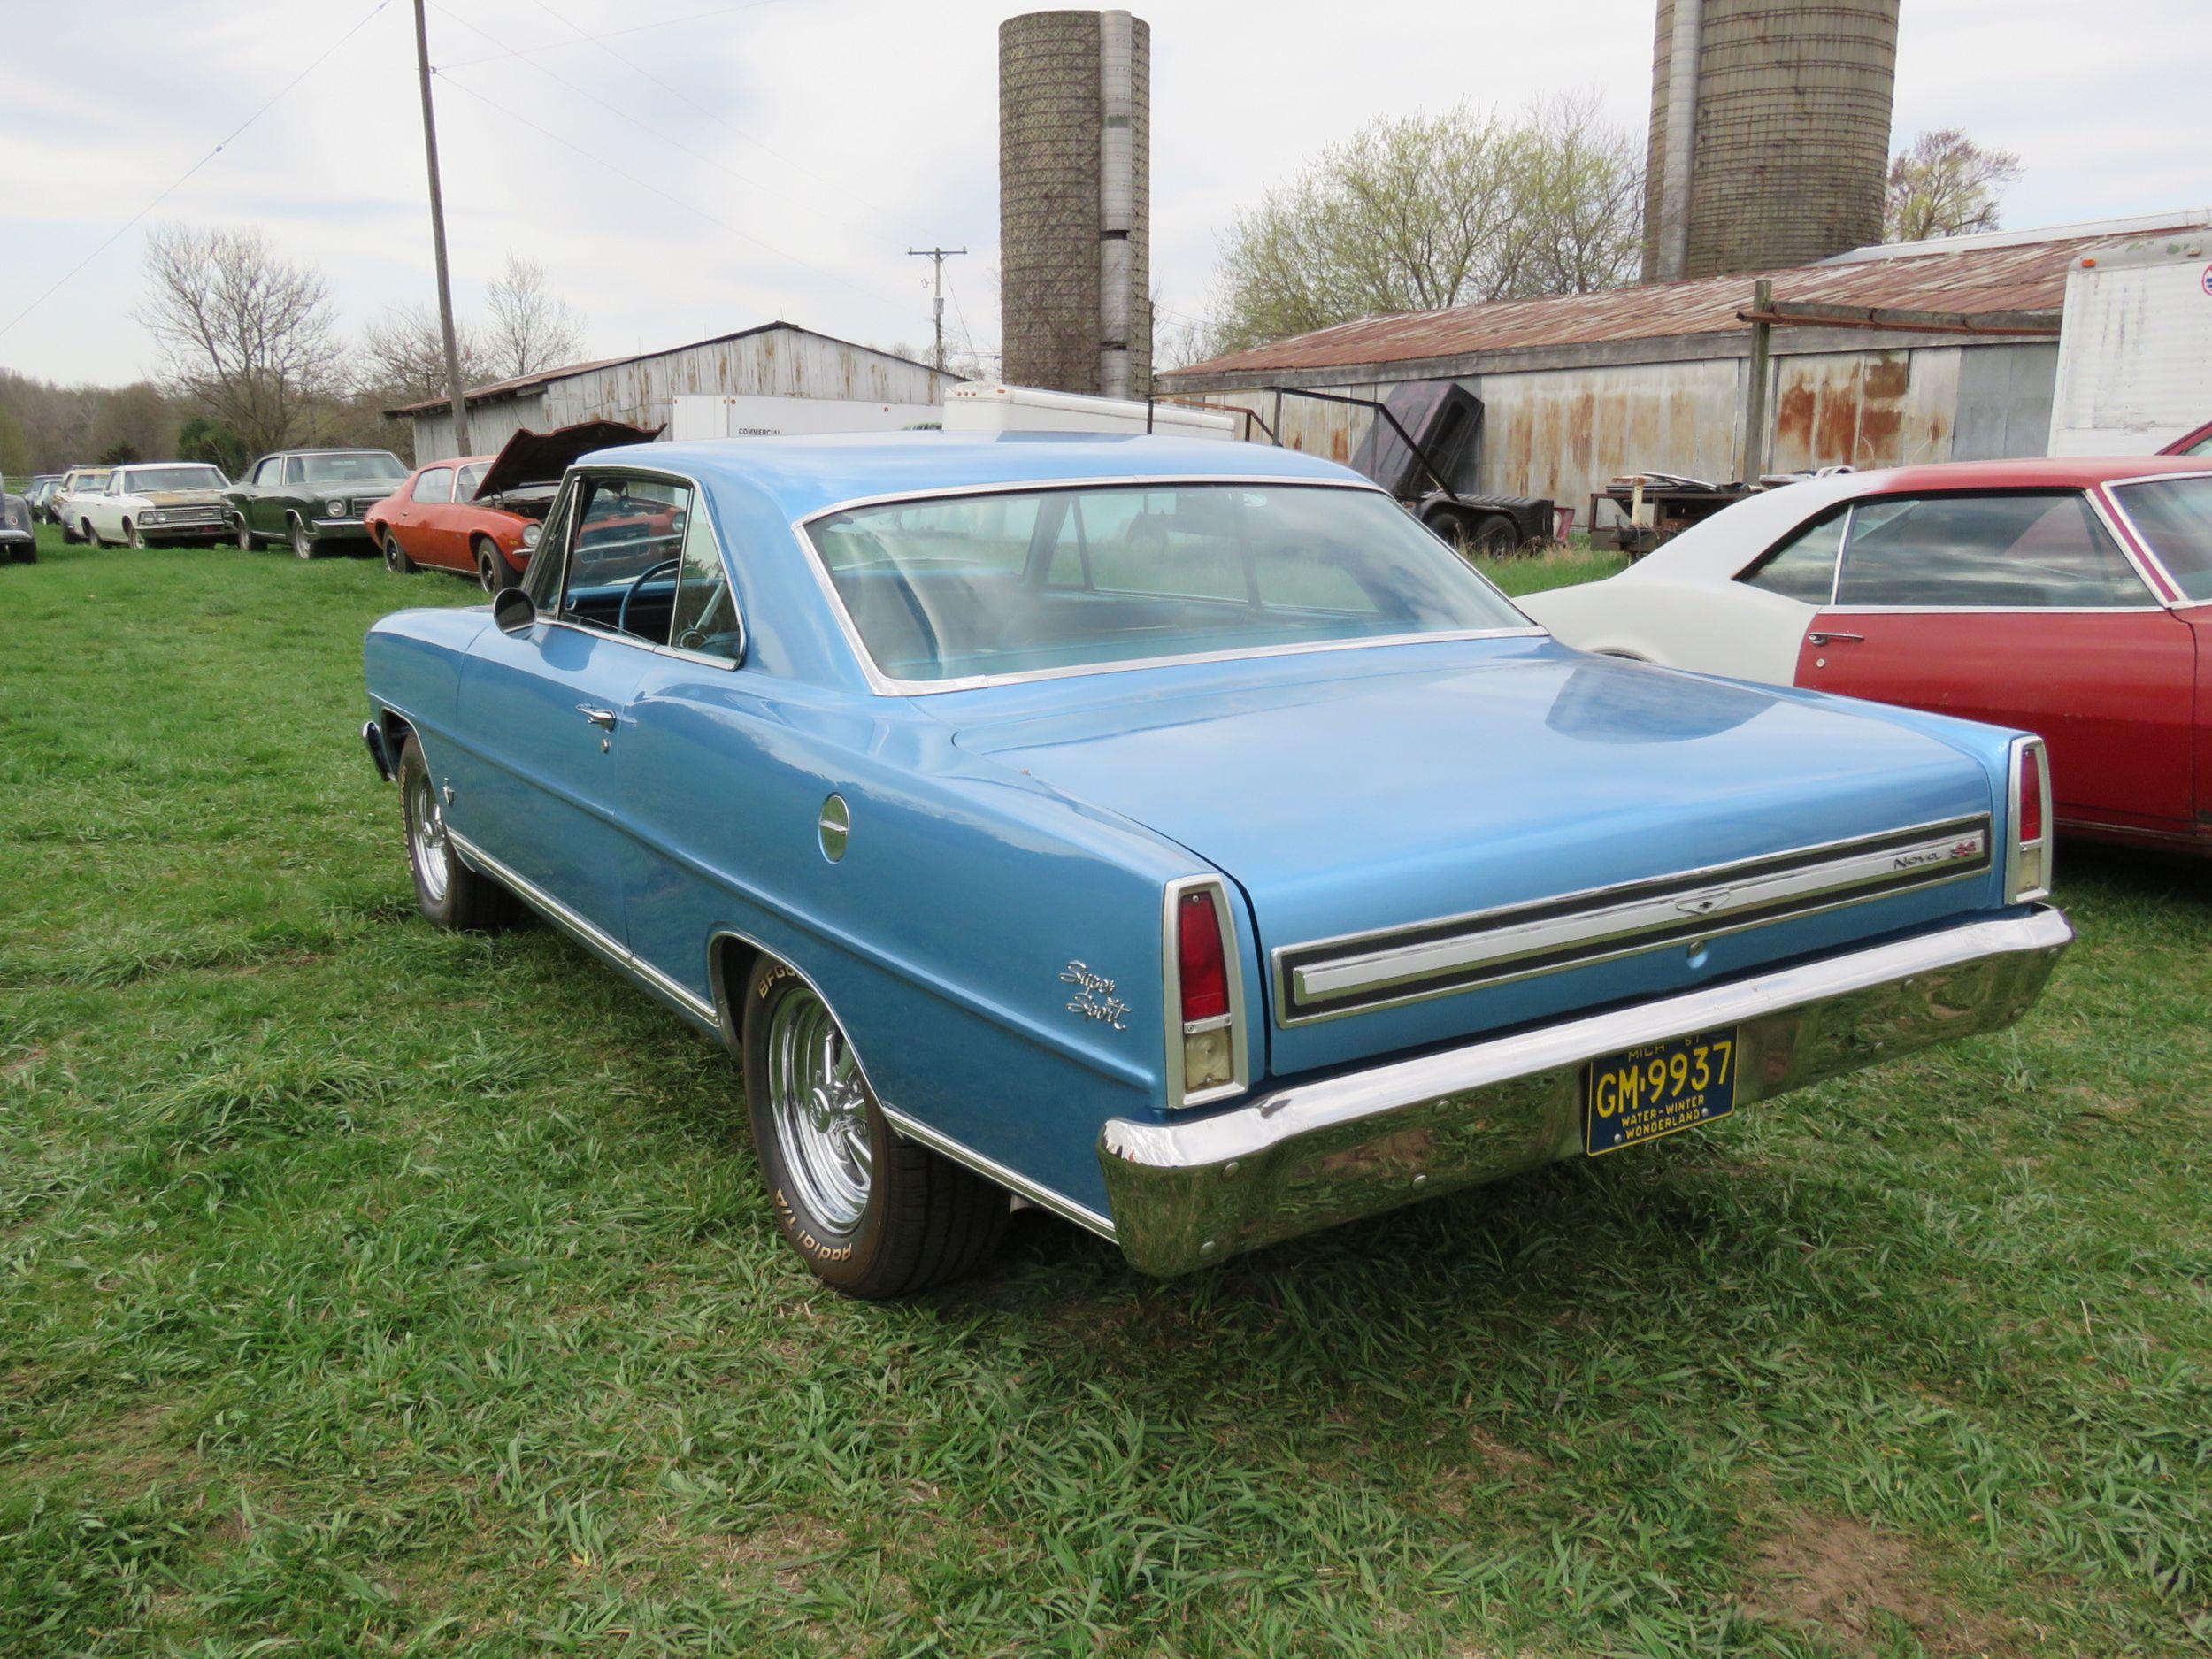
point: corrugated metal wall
(772, 362)
(1564, 432)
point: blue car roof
(805, 475)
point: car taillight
(1198, 950)
(1205, 1046)
(2028, 861)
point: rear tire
(446, 891)
(872, 1213)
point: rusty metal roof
(2017, 276)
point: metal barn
(775, 360)
(1927, 351)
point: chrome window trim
(702, 500)
(1171, 995)
(2129, 545)
(2141, 544)
(891, 686)
(1619, 919)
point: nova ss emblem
(1704, 904)
(1093, 997)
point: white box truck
(986, 406)
(697, 415)
(2135, 347)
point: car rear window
(968, 587)
(2175, 516)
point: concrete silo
(1770, 132)
(1075, 161)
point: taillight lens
(2028, 866)
(2030, 803)
(1202, 1030)
(1205, 972)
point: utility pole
(936, 257)
(437, 240)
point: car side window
(2030, 551)
(267, 473)
(296, 470)
(1804, 566)
(624, 554)
(435, 486)
(2202, 446)
(704, 618)
(541, 580)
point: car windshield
(349, 466)
(2175, 516)
(964, 587)
(146, 477)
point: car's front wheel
(492, 569)
(246, 544)
(445, 890)
(137, 537)
(872, 1213)
(303, 543)
(395, 559)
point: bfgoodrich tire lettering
(882, 1217)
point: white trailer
(2135, 347)
(978, 406)
(696, 415)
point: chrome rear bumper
(1312, 1155)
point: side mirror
(512, 612)
(530, 535)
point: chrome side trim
(601, 942)
(1328, 978)
(992, 1171)
(1044, 1197)
(889, 686)
(1314, 1154)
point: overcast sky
(707, 166)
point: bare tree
(1425, 211)
(403, 356)
(531, 329)
(1944, 184)
(241, 331)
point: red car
(2072, 598)
(476, 513)
(2198, 442)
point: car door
(544, 711)
(686, 771)
(2018, 608)
(428, 539)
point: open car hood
(539, 457)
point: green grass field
(368, 1290)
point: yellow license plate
(1641, 1093)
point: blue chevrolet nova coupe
(1174, 835)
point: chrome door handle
(1835, 639)
(606, 719)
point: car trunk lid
(1446, 839)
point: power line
(634, 29)
(674, 144)
(178, 183)
(690, 207)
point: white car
(73, 498)
(151, 502)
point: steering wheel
(622, 617)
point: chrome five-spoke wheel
(820, 1110)
(426, 838)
